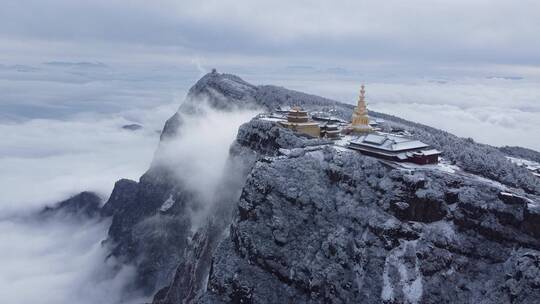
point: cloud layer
(43, 161)
(496, 31)
(494, 111)
(59, 262)
(198, 155)
(46, 160)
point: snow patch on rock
(167, 204)
(409, 284)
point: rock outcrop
(85, 205)
(132, 127)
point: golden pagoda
(360, 118)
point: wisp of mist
(199, 153)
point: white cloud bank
(496, 112)
(44, 160)
(198, 155)
(60, 262)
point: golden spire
(360, 119)
(362, 108)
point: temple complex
(395, 148)
(298, 120)
(361, 134)
(360, 118)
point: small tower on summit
(360, 118)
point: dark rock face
(143, 235)
(256, 140)
(321, 228)
(420, 204)
(151, 220)
(85, 204)
(123, 193)
(192, 273)
(531, 220)
(132, 127)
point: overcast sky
(492, 32)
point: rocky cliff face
(152, 219)
(298, 220)
(330, 226)
(337, 227)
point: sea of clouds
(58, 261)
(44, 161)
(61, 133)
